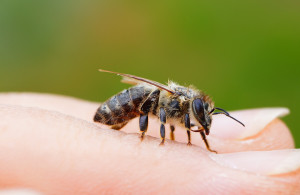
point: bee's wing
(131, 79)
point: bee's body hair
(145, 99)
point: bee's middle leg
(163, 119)
(143, 125)
(187, 124)
(172, 136)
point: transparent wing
(131, 79)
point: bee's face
(201, 110)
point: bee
(179, 105)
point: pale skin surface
(50, 144)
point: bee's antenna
(227, 114)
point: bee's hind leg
(143, 125)
(145, 109)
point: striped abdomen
(122, 107)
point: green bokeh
(245, 54)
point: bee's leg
(187, 124)
(151, 101)
(206, 142)
(143, 125)
(163, 119)
(189, 138)
(172, 136)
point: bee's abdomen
(122, 107)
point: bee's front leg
(206, 142)
(163, 119)
(187, 124)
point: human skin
(50, 144)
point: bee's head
(201, 109)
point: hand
(50, 144)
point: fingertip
(274, 136)
(255, 121)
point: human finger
(263, 131)
(55, 153)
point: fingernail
(255, 121)
(262, 162)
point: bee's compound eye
(198, 109)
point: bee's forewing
(131, 79)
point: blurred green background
(245, 54)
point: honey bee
(176, 104)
